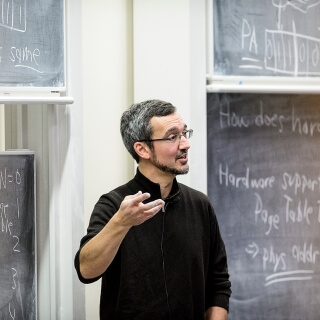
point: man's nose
(184, 143)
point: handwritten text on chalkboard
(17, 269)
(32, 43)
(264, 182)
(267, 38)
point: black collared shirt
(173, 266)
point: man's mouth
(183, 156)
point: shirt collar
(143, 184)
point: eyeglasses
(174, 137)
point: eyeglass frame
(190, 131)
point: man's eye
(173, 138)
(185, 133)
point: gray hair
(135, 122)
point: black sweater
(173, 266)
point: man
(156, 242)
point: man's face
(170, 157)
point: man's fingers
(136, 201)
(153, 206)
(138, 197)
(132, 196)
(133, 211)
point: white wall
(107, 83)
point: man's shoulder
(194, 193)
(117, 194)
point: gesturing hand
(133, 211)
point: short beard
(170, 170)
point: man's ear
(142, 150)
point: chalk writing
(305, 254)
(231, 119)
(32, 43)
(228, 178)
(13, 15)
(296, 275)
(301, 213)
(294, 211)
(276, 259)
(305, 127)
(300, 182)
(272, 220)
(264, 181)
(252, 249)
(7, 225)
(25, 58)
(286, 50)
(16, 238)
(12, 311)
(6, 178)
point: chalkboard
(266, 38)
(32, 43)
(17, 236)
(264, 182)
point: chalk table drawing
(269, 38)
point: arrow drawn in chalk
(252, 249)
